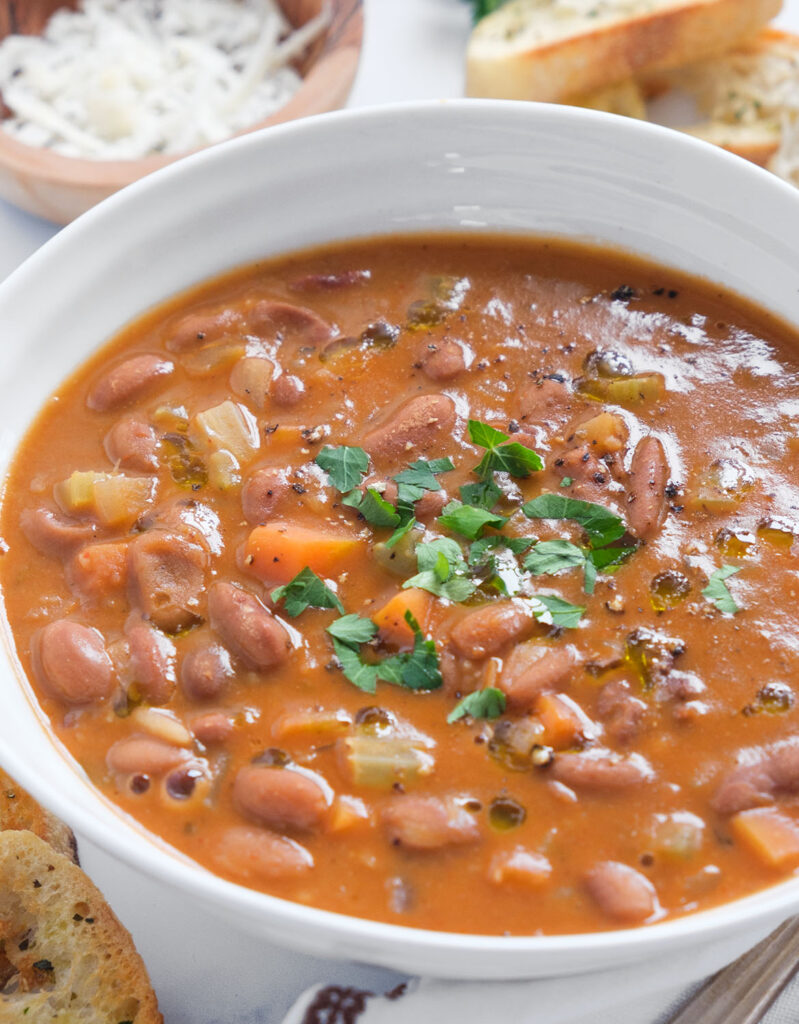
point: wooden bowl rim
(337, 61)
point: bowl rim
(325, 86)
(150, 855)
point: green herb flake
(442, 570)
(487, 703)
(601, 524)
(373, 507)
(554, 611)
(484, 494)
(400, 532)
(420, 669)
(419, 477)
(567, 481)
(469, 521)
(353, 629)
(306, 590)
(359, 673)
(514, 458)
(345, 466)
(550, 557)
(717, 591)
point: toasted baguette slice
(64, 957)
(551, 50)
(749, 98)
(18, 810)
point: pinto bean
(263, 493)
(430, 505)
(152, 661)
(287, 390)
(649, 474)
(167, 575)
(752, 785)
(139, 754)
(599, 769)
(53, 534)
(212, 727)
(280, 797)
(621, 712)
(202, 328)
(287, 321)
(415, 427)
(486, 630)
(427, 823)
(531, 668)
(444, 360)
(127, 381)
(72, 663)
(330, 282)
(252, 855)
(132, 444)
(621, 892)
(205, 672)
(590, 474)
(247, 628)
(542, 398)
(195, 522)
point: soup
(449, 582)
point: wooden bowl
(59, 188)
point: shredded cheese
(123, 79)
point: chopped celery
(380, 761)
(624, 391)
(721, 487)
(112, 498)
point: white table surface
(413, 49)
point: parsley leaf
(567, 481)
(602, 526)
(554, 611)
(469, 521)
(353, 629)
(487, 703)
(373, 507)
(442, 570)
(718, 592)
(400, 532)
(354, 667)
(484, 494)
(306, 590)
(345, 466)
(420, 477)
(478, 551)
(550, 557)
(514, 458)
(420, 669)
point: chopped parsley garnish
(514, 458)
(415, 670)
(554, 611)
(567, 481)
(420, 477)
(484, 494)
(550, 557)
(718, 592)
(469, 521)
(442, 570)
(400, 532)
(373, 507)
(487, 703)
(344, 465)
(601, 524)
(479, 551)
(306, 590)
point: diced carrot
(771, 836)
(519, 867)
(101, 570)
(390, 619)
(277, 551)
(347, 812)
(563, 720)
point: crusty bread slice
(551, 50)
(748, 97)
(64, 957)
(18, 810)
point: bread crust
(64, 956)
(18, 810)
(594, 57)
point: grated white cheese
(123, 79)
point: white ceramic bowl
(470, 165)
